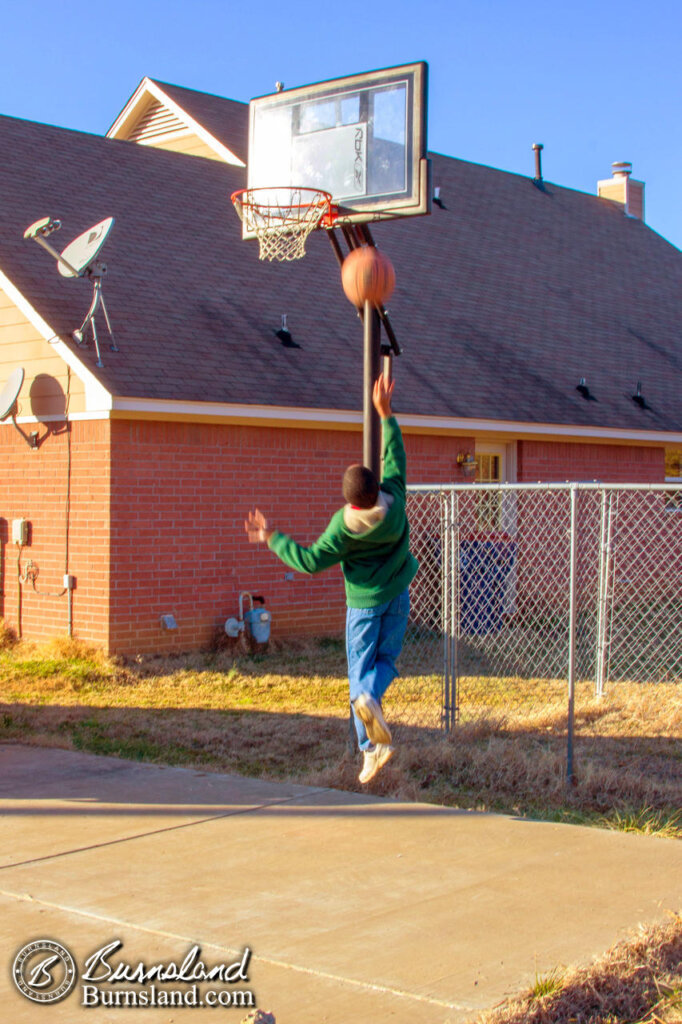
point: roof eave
(340, 419)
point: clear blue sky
(594, 81)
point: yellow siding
(190, 144)
(636, 199)
(615, 191)
(46, 381)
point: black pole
(371, 446)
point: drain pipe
(19, 582)
(69, 584)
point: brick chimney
(622, 188)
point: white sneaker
(369, 712)
(373, 760)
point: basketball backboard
(360, 138)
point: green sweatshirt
(377, 565)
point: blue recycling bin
(484, 566)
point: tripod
(95, 272)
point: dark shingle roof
(503, 301)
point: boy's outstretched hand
(256, 526)
(381, 396)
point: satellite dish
(79, 259)
(10, 392)
(84, 250)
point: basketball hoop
(282, 218)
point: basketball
(367, 275)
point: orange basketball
(367, 275)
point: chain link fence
(530, 598)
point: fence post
(454, 611)
(572, 588)
(605, 545)
(445, 612)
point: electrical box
(20, 532)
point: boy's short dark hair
(360, 487)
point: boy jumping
(369, 536)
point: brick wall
(548, 461)
(174, 497)
(34, 485)
(180, 494)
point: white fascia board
(232, 410)
(97, 397)
(351, 417)
(521, 427)
(129, 109)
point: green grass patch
(94, 737)
(547, 984)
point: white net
(282, 218)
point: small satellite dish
(8, 403)
(10, 392)
(84, 250)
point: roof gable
(169, 117)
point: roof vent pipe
(537, 149)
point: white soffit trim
(147, 86)
(96, 395)
(344, 417)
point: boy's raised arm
(395, 463)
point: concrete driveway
(353, 907)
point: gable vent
(156, 122)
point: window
(673, 473)
(673, 464)
(489, 470)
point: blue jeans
(374, 639)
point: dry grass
(284, 716)
(638, 981)
(8, 637)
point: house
(540, 329)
